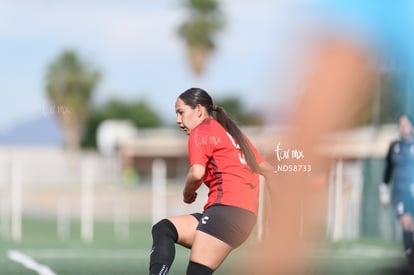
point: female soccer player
(400, 170)
(224, 160)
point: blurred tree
(239, 113)
(69, 85)
(138, 111)
(205, 20)
(392, 101)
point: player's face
(405, 128)
(187, 117)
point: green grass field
(106, 255)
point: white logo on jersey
(237, 146)
(204, 220)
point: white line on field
(53, 253)
(29, 263)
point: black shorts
(229, 224)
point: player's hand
(384, 192)
(190, 198)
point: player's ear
(199, 110)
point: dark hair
(194, 96)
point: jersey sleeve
(199, 151)
(388, 165)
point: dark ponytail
(194, 96)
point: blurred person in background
(224, 159)
(334, 53)
(399, 169)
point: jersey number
(237, 146)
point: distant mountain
(40, 130)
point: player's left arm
(193, 182)
(266, 169)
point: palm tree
(199, 29)
(69, 85)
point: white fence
(345, 194)
(50, 166)
(49, 182)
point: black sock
(159, 269)
(164, 236)
(198, 269)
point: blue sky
(135, 46)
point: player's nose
(178, 120)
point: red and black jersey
(228, 177)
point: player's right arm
(193, 182)
(384, 190)
(388, 165)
